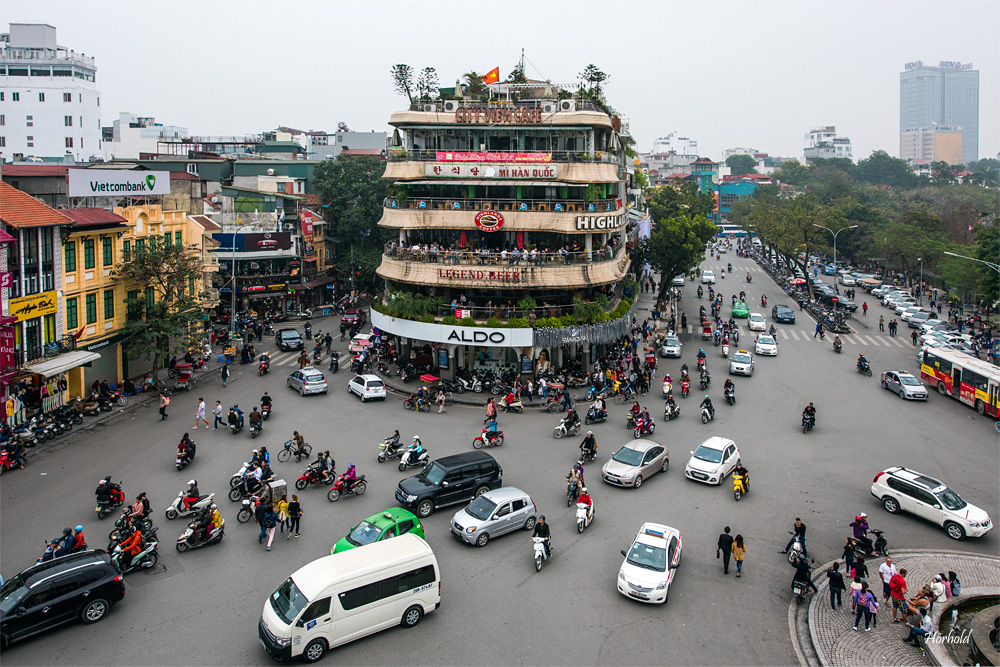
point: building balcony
(469, 269)
(523, 113)
(210, 298)
(518, 205)
(209, 263)
(491, 171)
(443, 214)
(525, 157)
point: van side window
(415, 578)
(358, 597)
(504, 511)
(453, 476)
(315, 610)
(387, 588)
(486, 468)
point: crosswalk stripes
(896, 341)
(874, 341)
(794, 335)
(784, 334)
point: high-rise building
(675, 144)
(946, 95)
(823, 142)
(938, 143)
(48, 96)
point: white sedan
(756, 322)
(648, 568)
(766, 345)
(741, 364)
(713, 461)
(708, 277)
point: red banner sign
(7, 356)
(307, 223)
(445, 156)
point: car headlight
(976, 524)
(628, 475)
(410, 498)
(662, 585)
(282, 641)
(470, 530)
(621, 575)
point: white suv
(902, 489)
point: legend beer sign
(591, 222)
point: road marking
(794, 334)
(873, 340)
(896, 341)
(784, 334)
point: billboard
(254, 242)
(111, 182)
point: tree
(988, 250)
(427, 82)
(944, 173)
(671, 201)
(792, 172)
(676, 244)
(353, 191)
(593, 77)
(402, 80)
(741, 164)
(880, 168)
(165, 315)
(986, 172)
(517, 75)
(474, 84)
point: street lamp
(835, 234)
(920, 294)
(995, 267)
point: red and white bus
(972, 381)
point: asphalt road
(201, 607)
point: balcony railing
(580, 105)
(493, 203)
(399, 153)
(489, 258)
(30, 355)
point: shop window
(71, 315)
(89, 261)
(91, 304)
(109, 304)
(108, 251)
(69, 256)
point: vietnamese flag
(493, 76)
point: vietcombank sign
(105, 182)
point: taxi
(378, 527)
(740, 309)
(741, 363)
(648, 569)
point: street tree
(682, 198)
(988, 250)
(676, 244)
(427, 82)
(164, 312)
(741, 164)
(353, 192)
(402, 80)
(880, 168)
(792, 172)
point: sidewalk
(830, 640)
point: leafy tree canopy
(354, 192)
(741, 164)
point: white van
(349, 595)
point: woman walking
(863, 601)
(283, 516)
(739, 551)
(294, 514)
(270, 522)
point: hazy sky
(754, 74)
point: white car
(742, 363)
(903, 305)
(708, 277)
(679, 280)
(713, 460)
(648, 568)
(756, 322)
(766, 345)
(848, 280)
(907, 313)
(671, 346)
(902, 489)
(367, 387)
(931, 324)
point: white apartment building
(49, 103)
(131, 135)
(675, 144)
(738, 150)
(823, 142)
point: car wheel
(530, 523)
(638, 482)
(314, 650)
(95, 610)
(902, 394)
(891, 505)
(302, 391)
(883, 384)
(482, 540)
(425, 508)
(364, 399)
(412, 616)
(481, 490)
(955, 531)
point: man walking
(864, 308)
(725, 548)
(225, 374)
(200, 414)
(881, 323)
(885, 572)
(164, 402)
(217, 411)
(913, 337)
(303, 359)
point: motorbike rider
(575, 475)
(772, 331)
(799, 529)
(265, 401)
(236, 416)
(810, 413)
(208, 521)
(328, 341)
(729, 385)
(862, 361)
(131, 547)
(191, 495)
(763, 300)
(745, 474)
(572, 418)
(309, 329)
(542, 530)
(684, 373)
(256, 419)
(393, 440)
(589, 445)
(705, 377)
(730, 267)
(598, 406)
(79, 542)
(265, 361)
(334, 360)
(802, 574)
(837, 343)
(671, 404)
(421, 396)
(860, 526)
(15, 451)
(60, 546)
(586, 500)
(186, 448)
(749, 279)
(349, 477)
(416, 449)
(707, 403)
(701, 354)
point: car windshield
(481, 508)
(11, 593)
(951, 500)
(628, 456)
(742, 358)
(766, 340)
(783, 309)
(756, 318)
(433, 473)
(648, 557)
(910, 380)
(708, 454)
(288, 601)
(365, 533)
(671, 341)
(708, 273)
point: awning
(317, 283)
(61, 364)
(492, 181)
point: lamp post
(920, 293)
(995, 267)
(835, 234)
(232, 267)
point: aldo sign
(116, 182)
(432, 332)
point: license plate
(638, 595)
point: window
(29, 121)
(69, 142)
(108, 250)
(140, 243)
(67, 97)
(192, 169)
(2, 119)
(71, 317)
(150, 297)
(31, 142)
(15, 97)
(414, 579)
(177, 238)
(91, 304)
(69, 256)
(133, 308)
(126, 250)
(41, 97)
(405, 526)
(520, 504)
(109, 304)
(166, 239)
(88, 254)
(359, 596)
(68, 121)
(503, 511)
(314, 611)
(3, 142)
(1, 97)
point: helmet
(580, 463)
(102, 482)
(326, 453)
(415, 438)
(583, 490)
(67, 531)
(192, 482)
(350, 465)
(78, 528)
(864, 516)
(590, 433)
(214, 506)
(541, 518)
(255, 451)
(706, 396)
(255, 407)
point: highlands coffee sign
(588, 222)
(114, 182)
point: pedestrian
(199, 415)
(913, 337)
(881, 323)
(724, 549)
(897, 590)
(863, 603)
(283, 515)
(531, 391)
(739, 551)
(860, 569)
(819, 330)
(259, 514)
(270, 523)
(567, 401)
(440, 401)
(294, 515)
(217, 411)
(885, 571)
(303, 359)
(848, 556)
(684, 321)
(864, 308)
(543, 388)
(938, 589)
(225, 374)
(491, 411)
(164, 402)
(836, 585)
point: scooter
(147, 523)
(838, 346)
(583, 517)
(671, 411)
(488, 439)
(808, 422)
(880, 544)
(685, 389)
(592, 393)
(516, 406)
(237, 425)
(540, 554)
(469, 384)
(595, 417)
(799, 589)
(410, 461)
(143, 560)
(731, 395)
(562, 429)
(254, 430)
(106, 507)
(342, 488)
(725, 350)
(187, 540)
(572, 491)
(263, 367)
(386, 450)
(234, 481)
(187, 457)
(667, 386)
(311, 477)
(334, 364)
(796, 551)
(177, 508)
(246, 512)
(704, 381)
(707, 415)
(265, 411)
(740, 486)
(643, 427)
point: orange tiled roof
(19, 209)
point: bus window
(975, 380)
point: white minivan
(349, 595)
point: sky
(725, 73)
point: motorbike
(117, 536)
(563, 429)
(731, 395)
(865, 369)
(799, 589)
(237, 424)
(188, 540)
(595, 417)
(313, 476)
(317, 355)
(143, 560)
(469, 384)
(838, 346)
(288, 451)
(246, 487)
(26, 435)
(572, 491)
(488, 439)
(516, 406)
(147, 523)
(749, 278)
(246, 512)
(583, 517)
(539, 552)
(707, 415)
(588, 454)
(763, 301)
(386, 450)
(880, 544)
(704, 381)
(808, 422)
(106, 507)
(182, 460)
(254, 430)
(411, 403)
(797, 551)
(667, 386)
(671, 411)
(725, 350)
(643, 427)
(593, 393)
(335, 364)
(700, 291)
(342, 487)
(685, 389)
(265, 411)
(176, 509)
(235, 479)
(408, 460)
(263, 367)
(740, 486)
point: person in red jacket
(79, 543)
(132, 545)
(585, 498)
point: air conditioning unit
(451, 106)
(270, 172)
(567, 105)
(549, 107)
(430, 107)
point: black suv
(453, 479)
(81, 586)
(289, 339)
(843, 303)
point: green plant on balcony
(494, 322)
(467, 322)
(412, 306)
(588, 312)
(592, 193)
(398, 153)
(450, 320)
(518, 323)
(527, 304)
